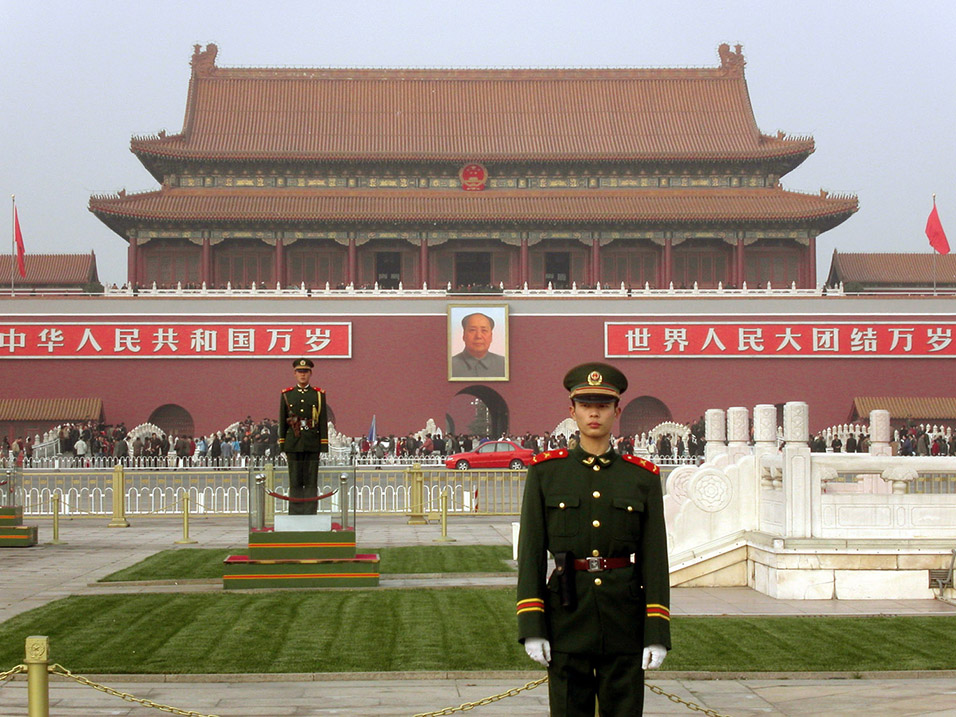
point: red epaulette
(643, 463)
(549, 455)
(286, 390)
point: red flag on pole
(935, 233)
(21, 252)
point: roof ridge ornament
(731, 62)
(204, 61)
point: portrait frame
(462, 366)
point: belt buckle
(594, 565)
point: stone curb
(517, 675)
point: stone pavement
(34, 576)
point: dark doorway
(642, 414)
(388, 269)
(174, 420)
(472, 268)
(557, 269)
(477, 410)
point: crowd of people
(913, 441)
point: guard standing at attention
(602, 617)
(303, 436)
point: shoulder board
(549, 455)
(318, 390)
(286, 390)
(643, 463)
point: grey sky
(873, 82)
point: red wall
(399, 373)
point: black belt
(596, 565)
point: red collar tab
(643, 463)
(549, 455)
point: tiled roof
(489, 207)
(893, 269)
(53, 269)
(471, 116)
(50, 409)
(932, 408)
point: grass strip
(422, 629)
(206, 563)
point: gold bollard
(270, 505)
(38, 677)
(416, 489)
(185, 540)
(119, 498)
(444, 518)
(55, 500)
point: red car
(493, 454)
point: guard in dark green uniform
(602, 617)
(303, 436)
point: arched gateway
(173, 419)
(497, 411)
(642, 414)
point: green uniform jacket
(308, 406)
(609, 506)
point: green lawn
(451, 629)
(206, 563)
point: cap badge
(595, 378)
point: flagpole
(13, 240)
(934, 253)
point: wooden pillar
(739, 263)
(353, 263)
(668, 274)
(523, 279)
(595, 261)
(812, 263)
(132, 262)
(278, 274)
(206, 263)
(423, 261)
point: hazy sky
(873, 82)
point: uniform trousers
(574, 680)
(303, 481)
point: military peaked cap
(302, 363)
(595, 381)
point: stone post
(880, 433)
(715, 434)
(765, 437)
(738, 432)
(799, 498)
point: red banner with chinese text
(62, 340)
(779, 339)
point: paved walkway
(35, 576)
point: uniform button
(597, 581)
(595, 553)
(596, 494)
(596, 467)
(630, 509)
(561, 505)
(596, 523)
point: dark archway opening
(477, 410)
(642, 414)
(173, 420)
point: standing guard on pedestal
(303, 436)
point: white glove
(653, 656)
(539, 650)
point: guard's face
(303, 376)
(595, 420)
(477, 335)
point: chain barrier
(693, 706)
(60, 670)
(57, 669)
(466, 706)
(8, 675)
